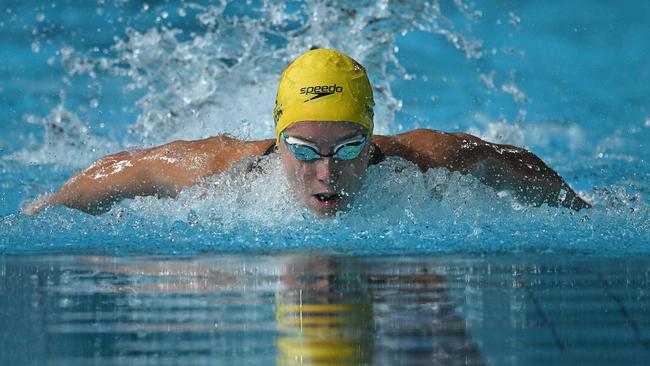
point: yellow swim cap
(323, 85)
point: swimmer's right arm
(110, 179)
(119, 176)
(161, 171)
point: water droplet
(562, 195)
(513, 19)
(65, 302)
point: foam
(399, 210)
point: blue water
(462, 310)
(566, 82)
(153, 280)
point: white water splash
(223, 79)
(539, 134)
(67, 141)
(399, 209)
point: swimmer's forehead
(325, 132)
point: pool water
(427, 267)
(314, 309)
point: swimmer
(324, 137)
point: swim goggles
(304, 151)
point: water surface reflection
(305, 309)
(313, 309)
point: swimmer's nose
(326, 170)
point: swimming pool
(566, 81)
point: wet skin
(165, 170)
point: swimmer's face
(324, 185)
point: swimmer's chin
(326, 210)
(323, 215)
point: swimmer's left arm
(511, 168)
(503, 167)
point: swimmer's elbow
(160, 171)
(104, 182)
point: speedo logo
(320, 91)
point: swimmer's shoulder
(211, 155)
(222, 151)
(426, 147)
(225, 146)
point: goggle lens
(347, 151)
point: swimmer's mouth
(328, 199)
(324, 197)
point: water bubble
(647, 122)
(488, 79)
(65, 302)
(192, 218)
(513, 19)
(181, 12)
(40, 17)
(516, 93)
